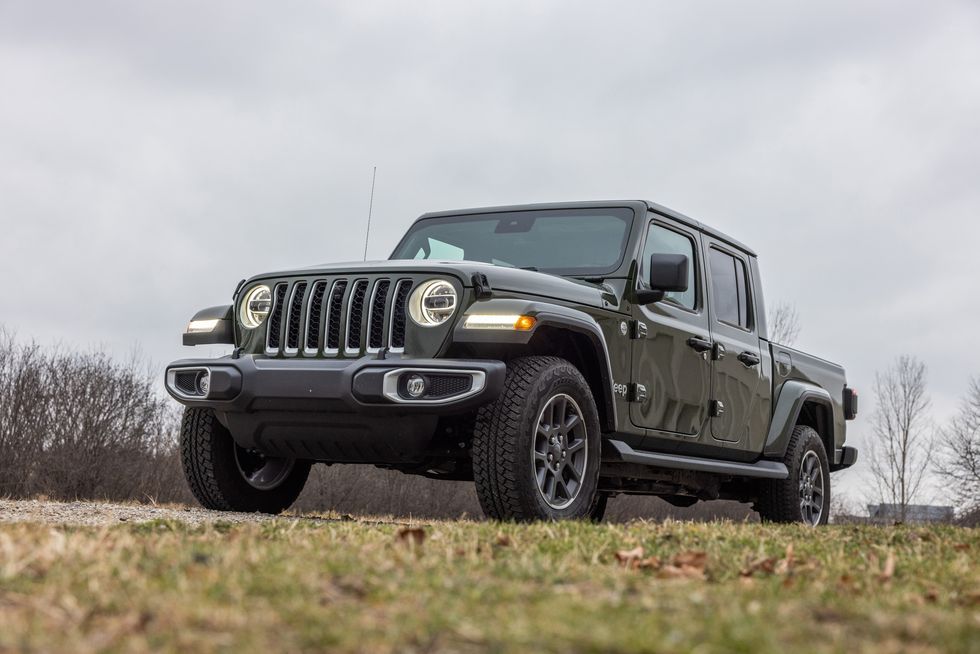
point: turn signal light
(525, 323)
(493, 321)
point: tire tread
(496, 459)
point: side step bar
(763, 469)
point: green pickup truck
(554, 354)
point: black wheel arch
(801, 404)
(559, 331)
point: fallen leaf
(628, 557)
(633, 559)
(889, 570)
(785, 565)
(766, 565)
(961, 547)
(691, 560)
(649, 562)
(686, 565)
(412, 536)
(503, 540)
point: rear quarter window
(729, 289)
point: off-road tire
(599, 509)
(207, 453)
(779, 499)
(503, 443)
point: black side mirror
(668, 272)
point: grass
(461, 586)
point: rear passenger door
(737, 356)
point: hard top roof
(635, 204)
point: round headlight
(256, 306)
(432, 303)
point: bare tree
(900, 448)
(784, 323)
(959, 462)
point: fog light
(415, 386)
(204, 383)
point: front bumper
(367, 385)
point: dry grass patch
(459, 586)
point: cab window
(729, 289)
(661, 240)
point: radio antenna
(367, 235)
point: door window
(661, 240)
(729, 289)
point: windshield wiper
(531, 268)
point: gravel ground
(107, 513)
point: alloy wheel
(560, 451)
(811, 488)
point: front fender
(792, 396)
(546, 314)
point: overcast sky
(154, 153)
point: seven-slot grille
(345, 317)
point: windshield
(560, 241)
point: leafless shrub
(83, 426)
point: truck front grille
(345, 317)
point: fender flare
(792, 396)
(546, 315)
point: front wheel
(226, 477)
(536, 449)
(805, 495)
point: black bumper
(848, 457)
(344, 411)
(367, 385)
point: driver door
(671, 358)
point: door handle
(699, 344)
(749, 359)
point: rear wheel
(226, 477)
(536, 449)
(805, 495)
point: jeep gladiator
(554, 354)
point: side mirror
(211, 326)
(668, 272)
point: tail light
(850, 403)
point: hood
(509, 280)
